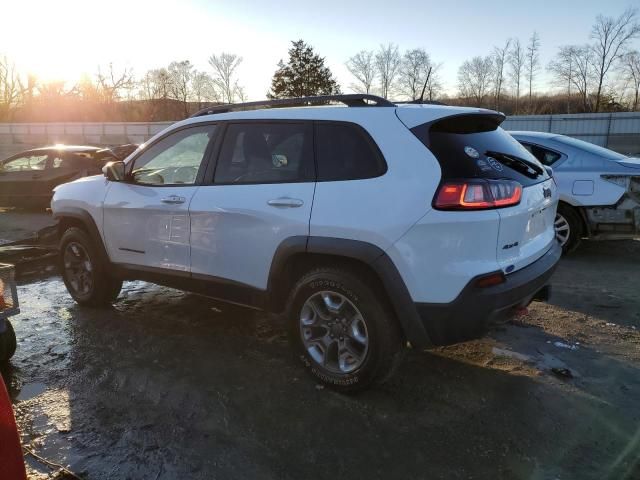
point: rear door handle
(173, 200)
(285, 202)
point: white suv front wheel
(343, 332)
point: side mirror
(549, 170)
(114, 171)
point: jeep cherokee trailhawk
(370, 225)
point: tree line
(602, 74)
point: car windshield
(591, 148)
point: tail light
(477, 194)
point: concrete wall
(618, 131)
(15, 137)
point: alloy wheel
(334, 332)
(563, 230)
(78, 268)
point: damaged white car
(599, 188)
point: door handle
(285, 202)
(36, 176)
(173, 200)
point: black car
(27, 179)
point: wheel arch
(297, 255)
(586, 229)
(79, 218)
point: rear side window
(346, 152)
(544, 156)
(266, 153)
(474, 146)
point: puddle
(31, 390)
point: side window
(29, 163)
(266, 153)
(174, 160)
(544, 156)
(343, 152)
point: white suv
(369, 224)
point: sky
(64, 39)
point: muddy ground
(168, 385)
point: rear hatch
(472, 149)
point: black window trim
(561, 158)
(206, 159)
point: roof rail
(421, 102)
(350, 100)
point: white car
(599, 188)
(369, 224)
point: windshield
(591, 148)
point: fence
(618, 131)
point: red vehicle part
(11, 460)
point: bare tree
(180, 75)
(113, 84)
(154, 87)
(387, 61)
(532, 62)
(516, 63)
(224, 69)
(562, 69)
(10, 87)
(500, 56)
(571, 67)
(362, 67)
(475, 79)
(632, 75)
(203, 89)
(434, 83)
(611, 36)
(416, 71)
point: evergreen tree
(305, 74)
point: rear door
(473, 146)
(260, 194)
(62, 167)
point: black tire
(575, 225)
(384, 340)
(8, 343)
(102, 288)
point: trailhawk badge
(472, 152)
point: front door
(146, 217)
(261, 194)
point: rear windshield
(474, 146)
(591, 148)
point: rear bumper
(469, 315)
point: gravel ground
(170, 385)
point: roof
(68, 148)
